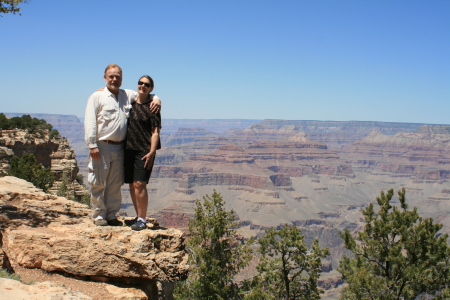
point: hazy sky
(371, 60)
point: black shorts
(134, 166)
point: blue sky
(384, 60)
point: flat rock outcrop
(55, 234)
(13, 289)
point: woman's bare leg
(133, 196)
(141, 195)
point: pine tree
(288, 270)
(216, 254)
(399, 255)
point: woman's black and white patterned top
(141, 123)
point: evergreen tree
(53, 134)
(287, 269)
(25, 122)
(4, 121)
(216, 254)
(399, 255)
(26, 168)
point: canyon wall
(318, 175)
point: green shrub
(86, 199)
(27, 168)
(397, 255)
(80, 180)
(216, 254)
(63, 187)
(54, 134)
(5, 274)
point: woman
(141, 144)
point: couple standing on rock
(122, 133)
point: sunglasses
(144, 83)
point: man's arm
(155, 104)
(90, 126)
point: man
(105, 126)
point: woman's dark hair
(152, 84)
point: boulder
(40, 230)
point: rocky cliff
(5, 157)
(53, 234)
(68, 126)
(54, 153)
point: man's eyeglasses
(144, 83)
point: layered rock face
(20, 142)
(263, 181)
(334, 134)
(52, 233)
(422, 155)
(218, 126)
(263, 164)
(174, 155)
(187, 135)
(266, 132)
(5, 157)
(68, 126)
(53, 153)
